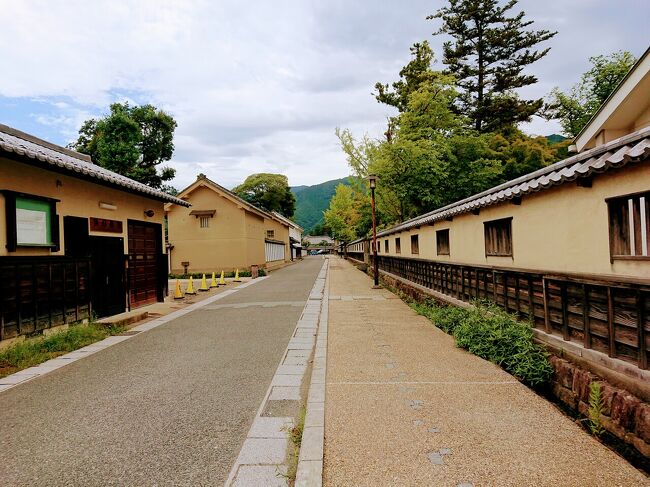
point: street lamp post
(372, 179)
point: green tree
(487, 54)
(131, 141)
(268, 191)
(576, 107)
(347, 214)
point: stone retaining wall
(625, 415)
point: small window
(629, 226)
(498, 237)
(270, 234)
(415, 245)
(442, 242)
(204, 221)
(386, 246)
(398, 246)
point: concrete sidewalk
(404, 406)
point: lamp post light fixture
(372, 180)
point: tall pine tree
(487, 55)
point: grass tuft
(36, 350)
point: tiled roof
(286, 221)
(21, 144)
(615, 154)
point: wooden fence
(40, 292)
(610, 316)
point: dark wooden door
(108, 286)
(144, 249)
(107, 283)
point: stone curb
(40, 370)
(260, 461)
(310, 461)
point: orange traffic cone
(178, 294)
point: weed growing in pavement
(35, 350)
(491, 333)
(595, 409)
(295, 435)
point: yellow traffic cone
(178, 294)
(213, 282)
(222, 281)
(190, 288)
(204, 284)
(236, 279)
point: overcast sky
(256, 86)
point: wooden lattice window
(415, 244)
(204, 221)
(270, 234)
(629, 226)
(442, 242)
(498, 237)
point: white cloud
(257, 86)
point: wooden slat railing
(608, 315)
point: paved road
(170, 406)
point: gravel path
(170, 406)
(404, 407)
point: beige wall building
(222, 232)
(567, 246)
(75, 238)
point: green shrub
(493, 334)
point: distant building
(295, 235)
(76, 239)
(221, 231)
(319, 240)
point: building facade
(76, 240)
(567, 246)
(222, 232)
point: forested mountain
(311, 201)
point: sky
(258, 86)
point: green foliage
(268, 191)
(487, 54)
(416, 72)
(349, 214)
(33, 351)
(492, 334)
(131, 141)
(575, 108)
(312, 201)
(595, 409)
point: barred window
(415, 244)
(386, 246)
(498, 237)
(629, 226)
(398, 246)
(204, 221)
(442, 242)
(270, 234)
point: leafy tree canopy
(349, 214)
(268, 191)
(131, 141)
(487, 54)
(576, 107)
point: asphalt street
(171, 406)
